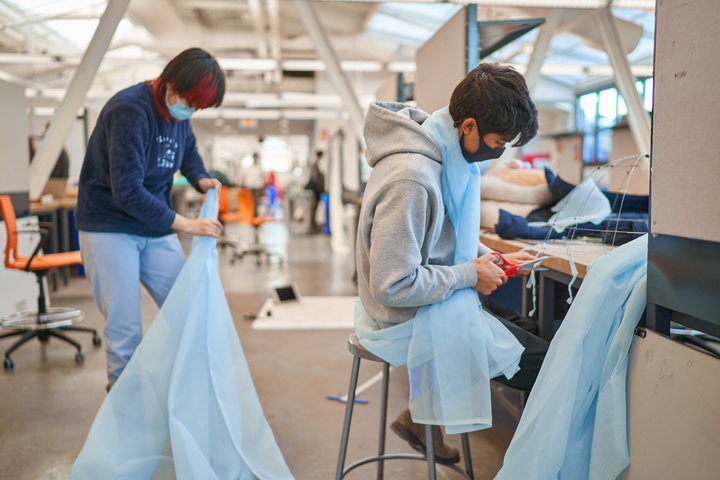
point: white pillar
(52, 142)
(335, 72)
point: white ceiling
(42, 42)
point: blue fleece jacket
(131, 157)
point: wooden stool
(359, 352)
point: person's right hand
(489, 275)
(206, 227)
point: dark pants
(315, 202)
(530, 361)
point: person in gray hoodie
(406, 241)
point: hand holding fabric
(206, 184)
(489, 275)
(204, 227)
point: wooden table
(558, 273)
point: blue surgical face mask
(484, 152)
(178, 110)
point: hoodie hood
(392, 128)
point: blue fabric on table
(627, 225)
(185, 406)
(574, 426)
(618, 201)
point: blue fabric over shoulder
(574, 425)
(185, 406)
(452, 348)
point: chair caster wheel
(8, 363)
(97, 341)
(79, 357)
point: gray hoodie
(405, 240)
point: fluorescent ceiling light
(253, 64)
(25, 59)
(347, 65)
(237, 114)
(309, 114)
(303, 65)
(241, 97)
(361, 66)
(404, 67)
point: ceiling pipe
(337, 75)
(52, 143)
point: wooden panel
(673, 413)
(441, 64)
(685, 168)
(14, 154)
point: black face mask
(485, 152)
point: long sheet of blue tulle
(185, 407)
(574, 426)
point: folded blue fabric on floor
(574, 426)
(617, 229)
(185, 407)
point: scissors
(512, 269)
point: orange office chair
(45, 322)
(246, 215)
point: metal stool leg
(348, 418)
(430, 447)
(466, 454)
(383, 419)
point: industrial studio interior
(357, 239)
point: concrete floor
(48, 402)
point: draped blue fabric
(185, 406)
(574, 424)
(452, 348)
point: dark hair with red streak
(197, 78)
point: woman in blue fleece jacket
(124, 214)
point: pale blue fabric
(116, 264)
(452, 348)
(574, 424)
(185, 407)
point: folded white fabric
(185, 407)
(586, 203)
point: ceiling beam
(335, 72)
(60, 126)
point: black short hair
(196, 76)
(497, 97)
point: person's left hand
(519, 257)
(206, 184)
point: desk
(58, 211)
(559, 271)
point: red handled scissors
(512, 269)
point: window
(597, 112)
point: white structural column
(638, 118)
(51, 145)
(273, 9)
(336, 73)
(542, 44)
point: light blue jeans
(116, 264)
